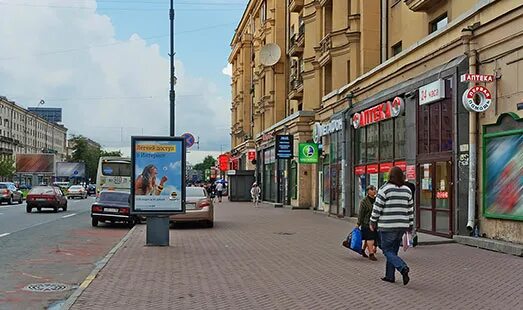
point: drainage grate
(47, 287)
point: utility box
(240, 183)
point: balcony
(294, 48)
(296, 5)
(423, 5)
(296, 88)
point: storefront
(418, 126)
(379, 144)
(330, 138)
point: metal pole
(172, 94)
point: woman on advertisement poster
(146, 182)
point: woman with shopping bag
(369, 237)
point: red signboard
(251, 155)
(372, 169)
(402, 165)
(359, 170)
(477, 78)
(385, 167)
(378, 113)
(411, 172)
(442, 195)
(223, 161)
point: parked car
(199, 207)
(46, 197)
(76, 191)
(113, 206)
(9, 193)
(91, 189)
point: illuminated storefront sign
(378, 113)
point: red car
(50, 197)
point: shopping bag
(354, 239)
(407, 241)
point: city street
(49, 247)
(276, 258)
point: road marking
(32, 276)
(66, 216)
(3, 235)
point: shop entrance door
(434, 190)
(335, 190)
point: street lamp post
(172, 94)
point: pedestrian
(369, 237)
(255, 194)
(393, 214)
(219, 191)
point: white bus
(114, 173)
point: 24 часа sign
(158, 182)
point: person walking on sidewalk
(369, 237)
(393, 213)
(255, 194)
(219, 191)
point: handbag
(354, 240)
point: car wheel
(64, 207)
(209, 224)
(68, 197)
(10, 201)
(21, 200)
(94, 222)
(130, 224)
(28, 209)
(55, 209)
(39, 209)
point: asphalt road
(48, 247)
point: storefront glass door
(434, 210)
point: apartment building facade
(24, 132)
(378, 83)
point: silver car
(199, 208)
(9, 193)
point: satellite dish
(270, 54)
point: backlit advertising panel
(158, 176)
(34, 163)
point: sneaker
(388, 280)
(372, 257)
(405, 275)
(364, 254)
(345, 243)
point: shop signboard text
(382, 111)
(308, 153)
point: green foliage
(83, 152)
(207, 163)
(7, 167)
(111, 153)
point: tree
(207, 163)
(7, 167)
(111, 153)
(83, 152)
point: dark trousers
(390, 245)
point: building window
(439, 23)
(396, 48)
(327, 23)
(373, 140)
(348, 72)
(435, 127)
(263, 12)
(386, 140)
(294, 180)
(361, 146)
(327, 87)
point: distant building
(53, 115)
(24, 132)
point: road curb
(99, 266)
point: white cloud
(108, 92)
(227, 70)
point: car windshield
(42, 190)
(116, 169)
(113, 197)
(195, 192)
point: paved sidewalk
(269, 258)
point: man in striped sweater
(393, 214)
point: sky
(106, 64)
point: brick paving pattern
(267, 258)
